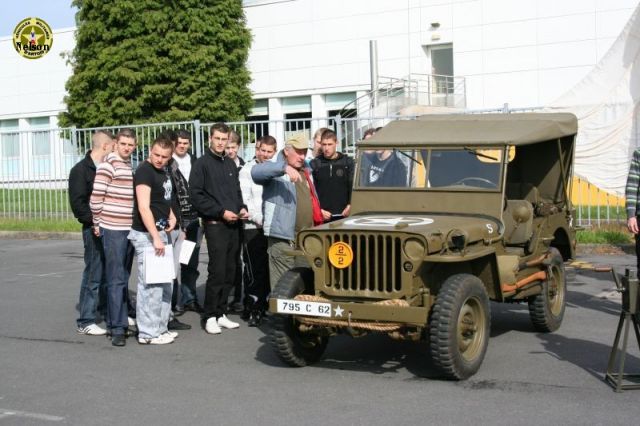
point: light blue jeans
(153, 305)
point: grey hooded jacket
(279, 198)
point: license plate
(297, 307)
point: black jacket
(180, 197)
(81, 179)
(214, 186)
(333, 180)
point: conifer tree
(146, 61)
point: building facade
(312, 58)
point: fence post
(198, 137)
(74, 136)
(338, 120)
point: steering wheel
(476, 179)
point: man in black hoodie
(81, 179)
(333, 178)
(215, 193)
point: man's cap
(298, 141)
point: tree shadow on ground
(588, 355)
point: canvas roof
(476, 129)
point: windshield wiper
(407, 155)
(479, 154)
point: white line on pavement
(6, 413)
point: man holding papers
(152, 220)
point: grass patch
(603, 236)
(34, 201)
(40, 225)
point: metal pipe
(373, 67)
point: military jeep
(478, 210)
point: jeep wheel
(547, 308)
(290, 344)
(459, 327)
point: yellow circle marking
(32, 38)
(340, 255)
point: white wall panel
(611, 23)
(566, 28)
(554, 83)
(511, 59)
(495, 11)
(467, 39)
(547, 8)
(468, 63)
(518, 89)
(512, 34)
(467, 14)
(567, 54)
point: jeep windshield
(456, 168)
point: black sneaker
(255, 318)
(193, 307)
(118, 340)
(174, 324)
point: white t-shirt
(184, 164)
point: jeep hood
(435, 228)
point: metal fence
(35, 164)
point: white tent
(606, 104)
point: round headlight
(312, 245)
(414, 248)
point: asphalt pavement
(51, 375)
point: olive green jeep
(448, 212)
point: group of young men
(248, 212)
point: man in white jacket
(256, 260)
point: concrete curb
(35, 235)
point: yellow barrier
(585, 193)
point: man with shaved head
(81, 179)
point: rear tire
(293, 347)
(460, 326)
(547, 308)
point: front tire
(460, 326)
(546, 309)
(293, 347)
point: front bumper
(409, 315)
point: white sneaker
(131, 321)
(163, 339)
(212, 326)
(92, 330)
(225, 322)
(173, 334)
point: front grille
(376, 266)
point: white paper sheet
(186, 251)
(159, 269)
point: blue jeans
(118, 257)
(92, 286)
(153, 305)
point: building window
(9, 149)
(297, 114)
(41, 145)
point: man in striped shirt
(112, 208)
(632, 200)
